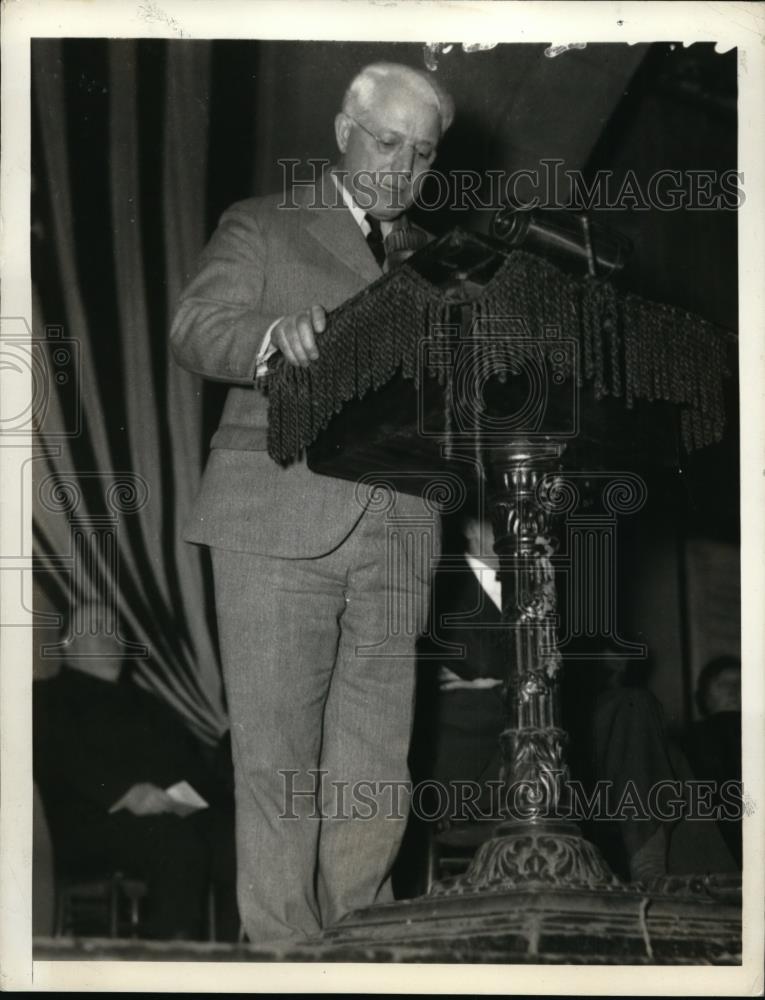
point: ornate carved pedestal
(536, 845)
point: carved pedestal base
(528, 856)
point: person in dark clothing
(105, 754)
(617, 730)
(459, 697)
(617, 734)
(713, 744)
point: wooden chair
(106, 907)
(451, 847)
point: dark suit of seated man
(713, 743)
(616, 728)
(105, 753)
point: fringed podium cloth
(628, 347)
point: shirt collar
(358, 213)
(487, 577)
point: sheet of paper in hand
(187, 799)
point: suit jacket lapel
(334, 227)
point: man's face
(385, 165)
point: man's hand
(144, 799)
(295, 335)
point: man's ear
(342, 130)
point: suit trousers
(318, 661)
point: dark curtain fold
(120, 151)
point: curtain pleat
(159, 581)
(186, 127)
(133, 340)
(52, 117)
(52, 528)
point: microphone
(569, 236)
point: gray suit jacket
(265, 261)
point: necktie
(375, 239)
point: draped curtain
(120, 140)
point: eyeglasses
(393, 145)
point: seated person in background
(106, 752)
(460, 703)
(617, 731)
(713, 744)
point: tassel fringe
(626, 347)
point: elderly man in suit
(315, 678)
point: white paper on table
(187, 799)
